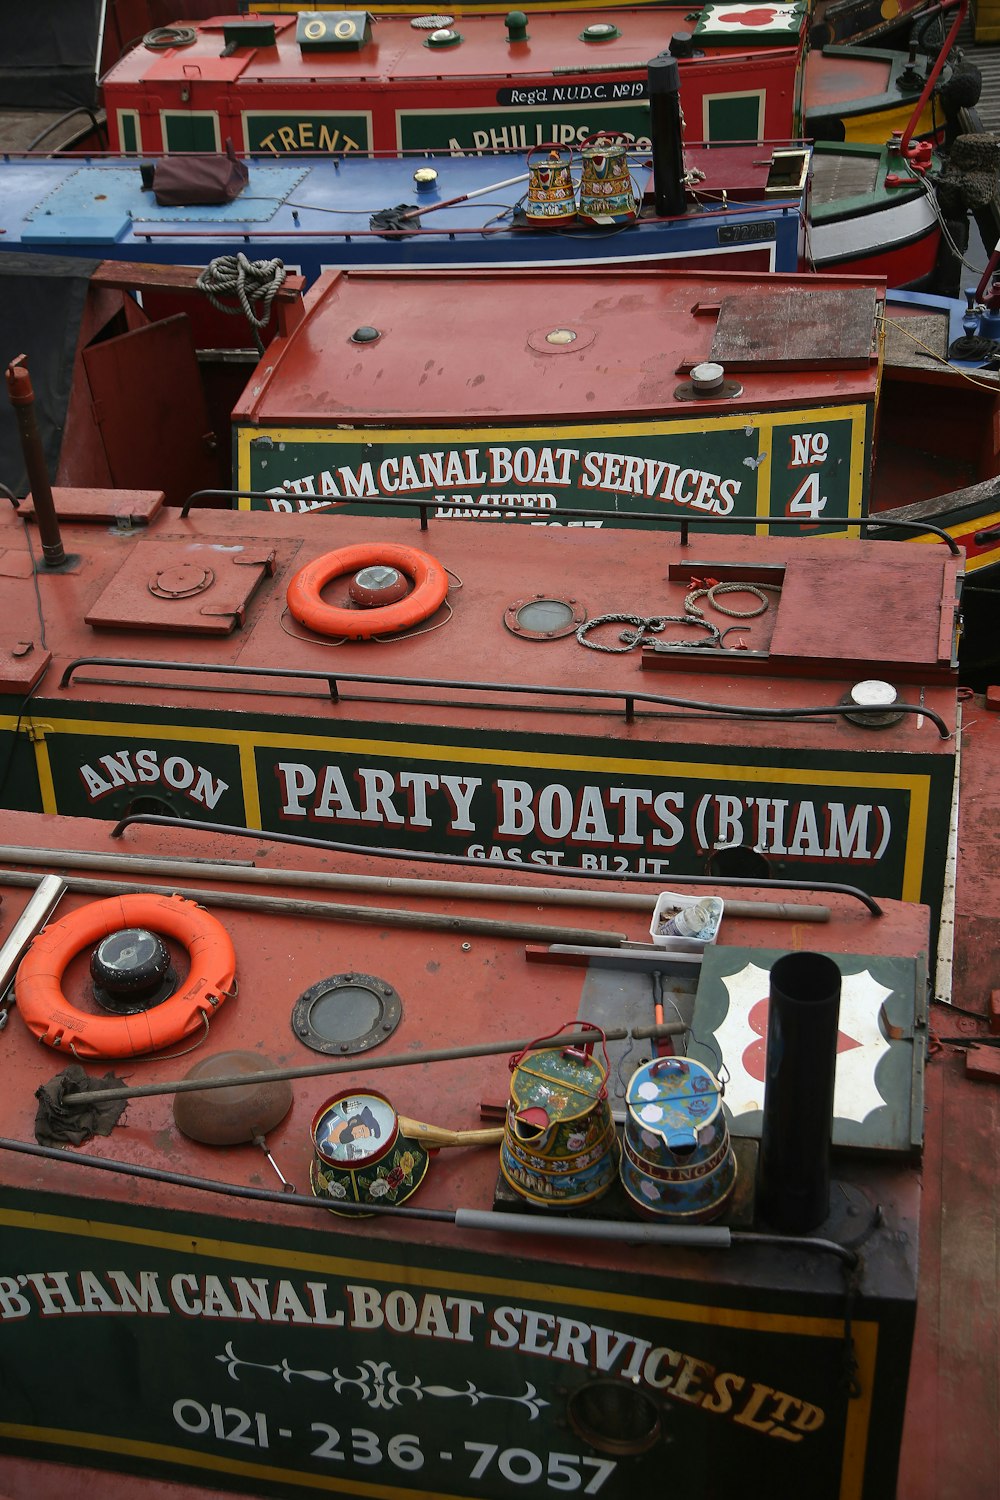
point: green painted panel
(113, 774)
(129, 132)
(718, 469)
(735, 118)
(184, 132)
(521, 126)
(295, 130)
(876, 821)
(391, 1369)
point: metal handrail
(682, 523)
(545, 690)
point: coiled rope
(713, 589)
(250, 281)
(162, 38)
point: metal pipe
(48, 892)
(666, 134)
(688, 1236)
(793, 1185)
(329, 911)
(378, 851)
(22, 399)
(388, 885)
(343, 1065)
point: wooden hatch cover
(796, 328)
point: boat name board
(342, 1371)
(789, 464)
(648, 813)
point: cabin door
(150, 406)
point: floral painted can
(677, 1162)
(359, 1153)
(607, 195)
(559, 1148)
(551, 195)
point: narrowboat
(244, 1337)
(243, 1334)
(199, 663)
(739, 205)
(343, 82)
(50, 62)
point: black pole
(666, 134)
(793, 1180)
(22, 399)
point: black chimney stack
(664, 81)
(793, 1179)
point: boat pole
(494, 187)
(332, 911)
(386, 885)
(363, 1064)
(664, 81)
(22, 399)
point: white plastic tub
(668, 904)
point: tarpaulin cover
(49, 53)
(41, 305)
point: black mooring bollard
(793, 1179)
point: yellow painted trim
(859, 1412)
(876, 126)
(247, 742)
(960, 531)
(251, 789)
(43, 770)
(406, 1275)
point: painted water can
(559, 1148)
(606, 192)
(677, 1162)
(359, 1153)
(551, 196)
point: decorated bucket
(551, 196)
(359, 1153)
(606, 192)
(677, 1161)
(559, 1147)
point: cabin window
(191, 131)
(734, 117)
(128, 130)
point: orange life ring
(430, 587)
(57, 1023)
